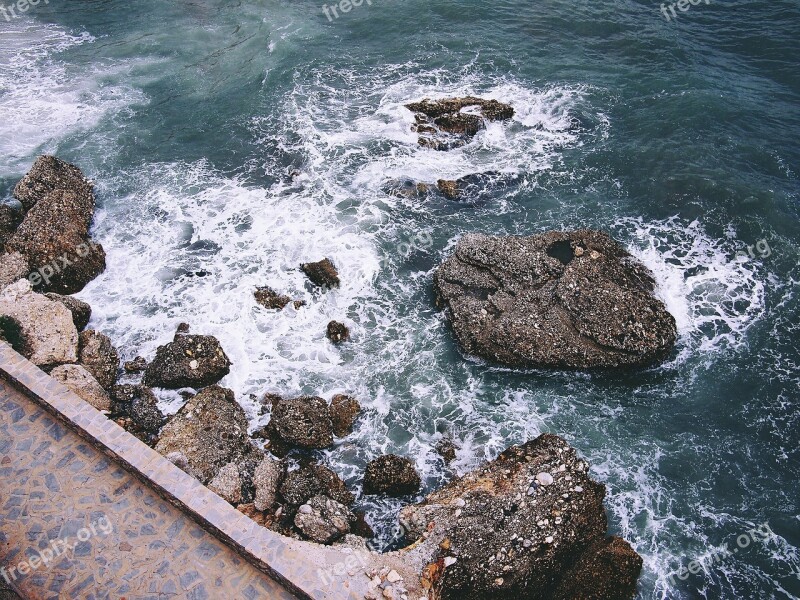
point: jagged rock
(301, 422)
(312, 480)
(46, 327)
(188, 361)
(344, 411)
(497, 534)
(228, 484)
(322, 273)
(47, 174)
(10, 218)
(443, 126)
(98, 356)
(80, 381)
(323, 520)
(81, 311)
(137, 365)
(267, 478)
(13, 267)
(337, 332)
(561, 299)
(269, 298)
(446, 449)
(140, 404)
(210, 430)
(391, 474)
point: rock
(446, 449)
(344, 411)
(46, 327)
(406, 188)
(391, 474)
(269, 298)
(140, 404)
(544, 479)
(324, 521)
(312, 480)
(249, 510)
(301, 422)
(505, 544)
(227, 484)
(98, 356)
(337, 332)
(10, 218)
(532, 302)
(13, 267)
(189, 361)
(448, 188)
(322, 273)
(81, 311)
(210, 431)
(137, 365)
(80, 381)
(267, 478)
(11, 332)
(47, 174)
(443, 125)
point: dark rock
(312, 480)
(137, 365)
(10, 219)
(210, 431)
(392, 475)
(446, 449)
(406, 188)
(11, 332)
(189, 361)
(360, 527)
(322, 273)
(268, 402)
(301, 422)
(99, 357)
(344, 411)
(337, 332)
(443, 126)
(323, 520)
(47, 174)
(530, 524)
(561, 299)
(81, 311)
(139, 404)
(448, 188)
(13, 267)
(269, 298)
(182, 328)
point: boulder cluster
(453, 122)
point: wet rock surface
(269, 298)
(392, 475)
(138, 404)
(322, 273)
(300, 423)
(188, 361)
(337, 332)
(562, 299)
(453, 122)
(210, 431)
(344, 411)
(98, 356)
(529, 524)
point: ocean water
(231, 141)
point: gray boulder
(80, 381)
(267, 478)
(313, 480)
(13, 267)
(81, 311)
(228, 484)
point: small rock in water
(544, 478)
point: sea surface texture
(232, 141)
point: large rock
(391, 474)
(562, 299)
(13, 267)
(301, 423)
(80, 381)
(444, 124)
(47, 174)
(322, 273)
(81, 311)
(530, 524)
(210, 431)
(344, 412)
(98, 356)
(312, 480)
(323, 520)
(228, 484)
(188, 361)
(48, 334)
(138, 403)
(267, 478)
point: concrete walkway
(75, 524)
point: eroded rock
(227, 484)
(322, 273)
(301, 423)
(323, 520)
(453, 122)
(47, 174)
(392, 475)
(81, 311)
(138, 403)
(97, 355)
(337, 332)
(80, 381)
(189, 361)
(267, 478)
(312, 480)
(269, 298)
(344, 411)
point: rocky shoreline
(529, 523)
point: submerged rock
(337, 332)
(80, 381)
(322, 273)
(210, 431)
(269, 298)
(496, 534)
(137, 365)
(344, 412)
(98, 356)
(47, 334)
(188, 361)
(391, 475)
(301, 422)
(561, 299)
(446, 449)
(453, 122)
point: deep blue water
(679, 137)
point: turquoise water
(679, 137)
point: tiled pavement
(55, 486)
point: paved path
(102, 532)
